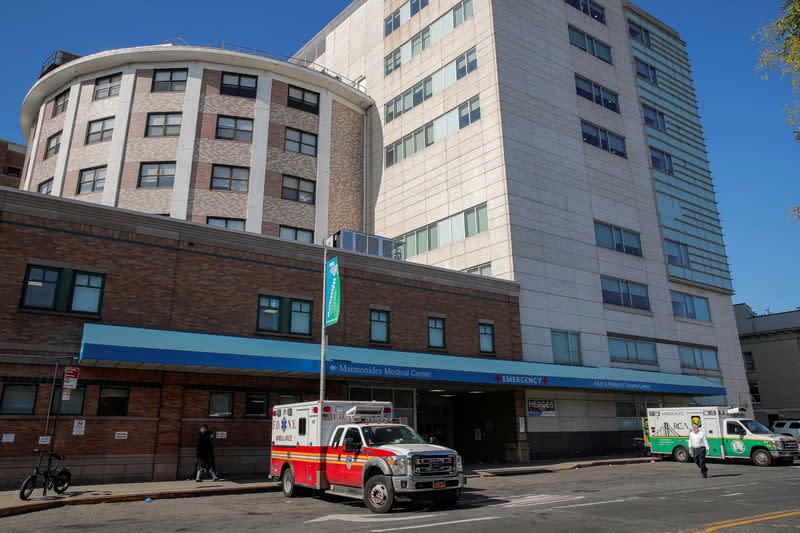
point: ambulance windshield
(380, 435)
(756, 427)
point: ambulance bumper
(410, 485)
(784, 454)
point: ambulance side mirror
(350, 445)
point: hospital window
(220, 404)
(698, 358)
(616, 238)
(589, 44)
(18, 399)
(379, 326)
(64, 290)
(566, 348)
(284, 315)
(624, 293)
(486, 337)
(436, 332)
(593, 9)
(255, 404)
(690, 306)
(113, 401)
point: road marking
(736, 522)
(437, 524)
(716, 488)
(540, 499)
(732, 494)
(597, 503)
(373, 518)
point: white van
(787, 427)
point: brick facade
(175, 275)
(12, 160)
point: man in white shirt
(698, 446)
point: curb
(543, 469)
(157, 495)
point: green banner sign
(332, 292)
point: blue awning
(120, 346)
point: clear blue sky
(753, 159)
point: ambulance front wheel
(287, 483)
(681, 454)
(761, 457)
(378, 494)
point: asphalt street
(646, 497)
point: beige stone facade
(197, 148)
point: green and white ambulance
(729, 434)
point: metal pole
(52, 394)
(323, 340)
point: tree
(780, 51)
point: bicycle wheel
(60, 483)
(27, 487)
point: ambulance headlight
(779, 444)
(459, 464)
(399, 464)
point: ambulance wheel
(287, 483)
(761, 458)
(378, 494)
(681, 454)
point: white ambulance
(730, 435)
(358, 450)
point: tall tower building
(558, 144)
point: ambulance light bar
(359, 410)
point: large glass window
(452, 229)
(690, 306)
(224, 222)
(53, 145)
(87, 292)
(107, 86)
(157, 174)
(480, 270)
(624, 293)
(604, 139)
(436, 338)
(301, 142)
(632, 351)
(486, 337)
(300, 318)
(427, 37)
(303, 99)
(298, 189)
(234, 129)
(100, 130)
(379, 325)
(661, 161)
(18, 399)
(45, 187)
(171, 80)
(616, 238)
(60, 103)
(645, 71)
(677, 253)
(597, 93)
(71, 407)
(92, 180)
(220, 404)
(163, 125)
(296, 234)
(638, 33)
(589, 44)
(41, 285)
(593, 9)
(700, 358)
(228, 178)
(113, 401)
(238, 85)
(566, 348)
(654, 118)
(255, 404)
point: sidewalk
(10, 504)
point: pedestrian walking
(698, 446)
(205, 454)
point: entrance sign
(332, 292)
(79, 427)
(70, 378)
(541, 408)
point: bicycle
(52, 477)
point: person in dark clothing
(205, 454)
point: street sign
(8, 437)
(65, 394)
(79, 427)
(70, 378)
(121, 435)
(332, 292)
(222, 435)
(44, 439)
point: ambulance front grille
(434, 465)
(790, 445)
